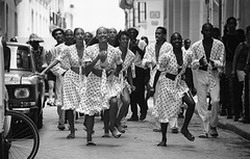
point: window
(20, 58)
(142, 12)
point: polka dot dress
(73, 83)
(169, 92)
(117, 84)
(95, 97)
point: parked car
(25, 89)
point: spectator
(140, 76)
(38, 51)
(13, 39)
(87, 37)
(231, 40)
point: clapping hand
(203, 62)
(102, 56)
(212, 65)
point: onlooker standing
(208, 57)
(38, 51)
(87, 37)
(112, 37)
(231, 40)
(137, 46)
(13, 39)
(239, 63)
(244, 50)
(216, 33)
(69, 37)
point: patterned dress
(96, 95)
(117, 84)
(150, 56)
(73, 83)
(169, 92)
(55, 52)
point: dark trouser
(223, 94)
(138, 96)
(246, 98)
(238, 87)
(229, 89)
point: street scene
(138, 142)
(124, 79)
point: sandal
(188, 135)
(204, 135)
(90, 143)
(124, 126)
(157, 130)
(162, 143)
(115, 133)
(71, 136)
(175, 130)
(120, 129)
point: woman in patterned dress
(124, 81)
(172, 90)
(73, 82)
(98, 89)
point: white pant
(58, 100)
(203, 86)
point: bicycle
(19, 137)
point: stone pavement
(238, 128)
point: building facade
(22, 17)
(184, 16)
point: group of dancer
(99, 77)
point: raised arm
(52, 64)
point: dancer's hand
(102, 56)
(203, 62)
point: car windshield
(20, 58)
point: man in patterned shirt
(208, 58)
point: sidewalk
(239, 128)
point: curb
(234, 129)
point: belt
(75, 69)
(170, 76)
(204, 68)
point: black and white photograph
(124, 79)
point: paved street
(139, 142)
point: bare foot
(188, 135)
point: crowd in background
(108, 73)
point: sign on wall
(154, 14)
